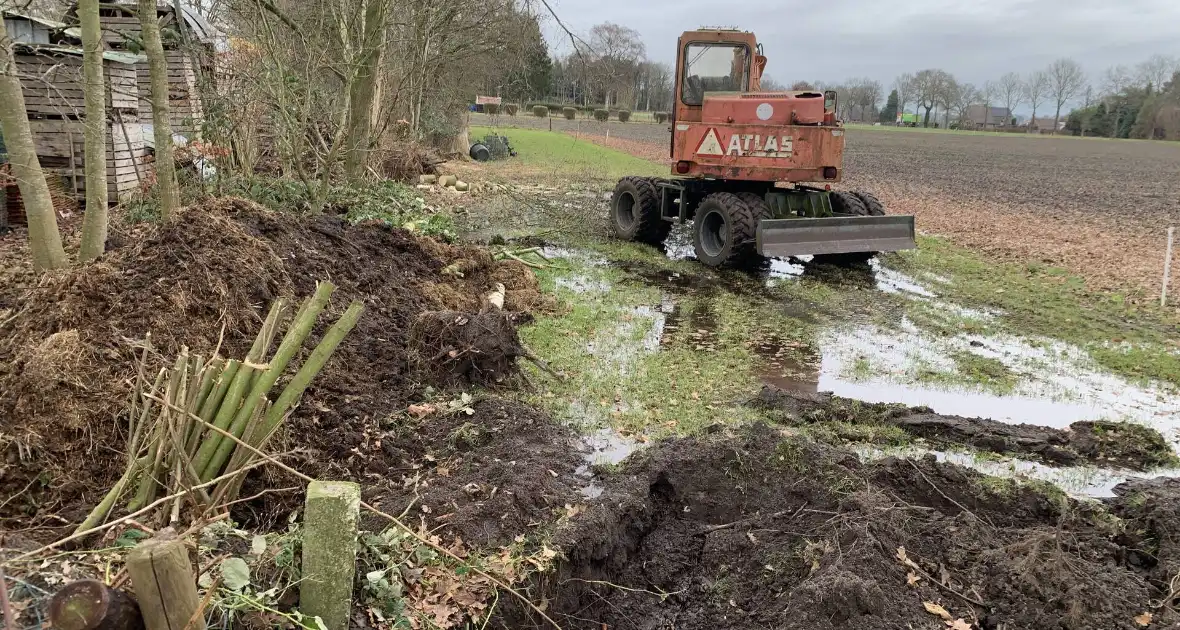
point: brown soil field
(1098, 208)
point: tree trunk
(91, 605)
(166, 183)
(44, 238)
(364, 88)
(94, 222)
(164, 583)
(1057, 119)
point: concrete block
(329, 551)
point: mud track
(1098, 443)
(760, 531)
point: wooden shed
(188, 48)
(53, 86)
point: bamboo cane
(300, 329)
(148, 482)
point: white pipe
(1167, 268)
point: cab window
(714, 68)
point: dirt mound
(67, 359)
(758, 531)
(1101, 443)
(456, 349)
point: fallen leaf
(547, 553)
(1144, 619)
(235, 574)
(935, 609)
(912, 578)
(959, 624)
(420, 411)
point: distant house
(1045, 125)
(983, 117)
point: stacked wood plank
(183, 101)
(53, 84)
(60, 148)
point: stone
(462, 186)
(330, 520)
(427, 179)
(448, 180)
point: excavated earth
(750, 527)
(761, 530)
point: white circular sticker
(765, 111)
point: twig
(265, 458)
(125, 519)
(930, 578)
(528, 354)
(716, 528)
(1167, 601)
(5, 605)
(200, 611)
(944, 495)
(663, 595)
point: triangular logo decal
(710, 145)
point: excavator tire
(851, 204)
(848, 204)
(725, 229)
(757, 203)
(871, 203)
(635, 211)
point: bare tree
(1116, 79)
(802, 86)
(905, 91)
(364, 84)
(619, 50)
(965, 96)
(1010, 91)
(44, 238)
(870, 97)
(930, 89)
(947, 96)
(166, 184)
(1066, 82)
(94, 221)
(1036, 88)
(1156, 71)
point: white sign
(754, 145)
(487, 100)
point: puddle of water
(1059, 383)
(576, 255)
(583, 284)
(603, 447)
(890, 281)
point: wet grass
(560, 154)
(1135, 341)
(637, 363)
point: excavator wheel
(761, 209)
(725, 229)
(873, 205)
(635, 211)
(848, 204)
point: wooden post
(91, 605)
(329, 551)
(1167, 267)
(164, 584)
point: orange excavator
(753, 170)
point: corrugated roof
(33, 18)
(109, 55)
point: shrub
(491, 109)
(511, 109)
(569, 112)
(660, 117)
(601, 115)
(624, 115)
(540, 111)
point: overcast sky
(831, 40)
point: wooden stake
(164, 584)
(1167, 267)
(92, 605)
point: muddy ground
(757, 530)
(1096, 443)
(738, 526)
(1097, 207)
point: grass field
(561, 155)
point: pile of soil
(68, 356)
(759, 530)
(1098, 443)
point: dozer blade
(835, 235)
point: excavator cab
(753, 170)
